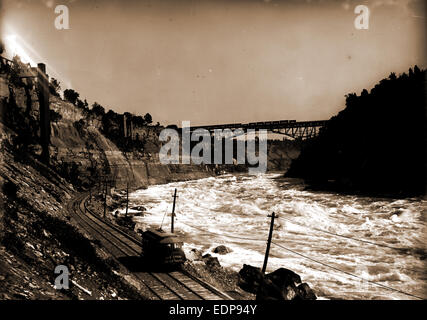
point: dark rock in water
(139, 208)
(195, 255)
(126, 222)
(283, 277)
(305, 292)
(250, 278)
(211, 262)
(278, 285)
(221, 250)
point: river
(232, 210)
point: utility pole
(43, 97)
(173, 211)
(270, 234)
(127, 198)
(105, 199)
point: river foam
(232, 210)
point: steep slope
(36, 236)
(377, 144)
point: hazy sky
(220, 61)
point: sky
(219, 61)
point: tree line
(377, 144)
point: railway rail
(176, 285)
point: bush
(71, 96)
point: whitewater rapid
(232, 210)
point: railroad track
(176, 285)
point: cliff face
(81, 153)
(377, 144)
(83, 148)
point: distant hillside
(377, 144)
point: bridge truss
(291, 128)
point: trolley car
(162, 248)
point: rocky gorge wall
(79, 150)
(88, 148)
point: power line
(308, 258)
(222, 235)
(348, 273)
(343, 236)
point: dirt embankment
(37, 235)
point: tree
(80, 104)
(71, 96)
(16, 70)
(55, 116)
(97, 109)
(148, 119)
(417, 70)
(138, 121)
(54, 87)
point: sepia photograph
(233, 152)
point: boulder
(284, 277)
(278, 285)
(211, 262)
(194, 255)
(221, 250)
(305, 292)
(139, 208)
(250, 278)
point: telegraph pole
(173, 210)
(270, 234)
(105, 199)
(127, 198)
(43, 96)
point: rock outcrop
(282, 284)
(221, 250)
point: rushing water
(232, 210)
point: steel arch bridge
(291, 128)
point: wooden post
(173, 211)
(105, 199)
(127, 198)
(270, 234)
(43, 97)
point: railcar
(162, 248)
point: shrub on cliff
(71, 96)
(54, 87)
(377, 144)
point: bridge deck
(269, 125)
(291, 128)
